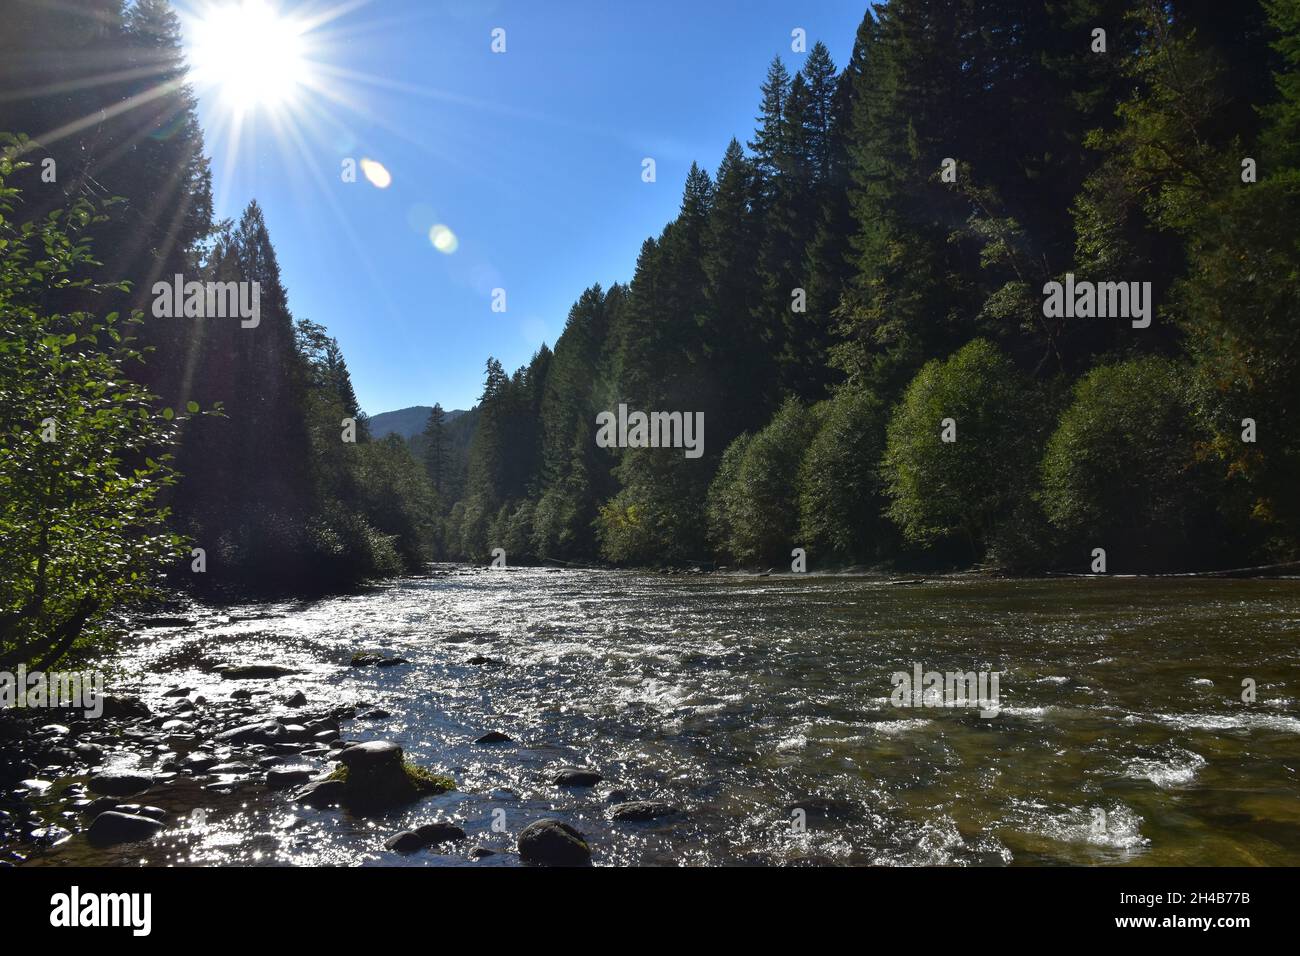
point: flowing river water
(1122, 736)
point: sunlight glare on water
(1122, 737)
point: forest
(856, 300)
(865, 303)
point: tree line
(856, 303)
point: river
(757, 704)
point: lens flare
(374, 171)
(443, 239)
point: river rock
(198, 763)
(112, 827)
(369, 659)
(440, 832)
(405, 842)
(553, 843)
(322, 794)
(296, 699)
(50, 835)
(641, 810)
(153, 813)
(120, 708)
(371, 754)
(97, 806)
(120, 783)
(268, 731)
(378, 779)
(255, 672)
(89, 753)
(282, 779)
(494, 737)
(577, 777)
(13, 769)
(429, 834)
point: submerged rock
(553, 843)
(577, 777)
(255, 672)
(641, 810)
(371, 659)
(825, 808)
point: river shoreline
(710, 706)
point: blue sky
(532, 158)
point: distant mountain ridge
(407, 422)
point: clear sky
(532, 158)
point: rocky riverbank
(154, 767)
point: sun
(249, 53)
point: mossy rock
(372, 790)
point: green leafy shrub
(83, 452)
(940, 490)
(1127, 470)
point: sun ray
(84, 83)
(99, 116)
